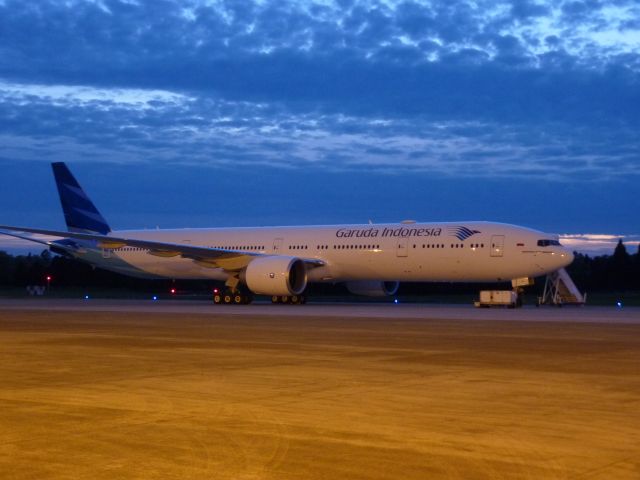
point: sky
(199, 113)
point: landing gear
(242, 297)
(292, 299)
(229, 297)
(233, 294)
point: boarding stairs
(559, 290)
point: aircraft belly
(467, 267)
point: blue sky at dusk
(194, 113)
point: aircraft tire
(289, 300)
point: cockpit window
(548, 243)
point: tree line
(607, 273)
(58, 271)
(618, 272)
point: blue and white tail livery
(80, 214)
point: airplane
(371, 259)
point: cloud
(64, 94)
(82, 123)
(599, 244)
(511, 89)
(294, 52)
(16, 245)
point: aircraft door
(277, 245)
(497, 245)
(402, 247)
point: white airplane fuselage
(417, 252)
(281, 261)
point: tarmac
(141, 389)
(529, 313)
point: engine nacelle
(373, 288)
(276, 276)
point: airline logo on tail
(80, 214)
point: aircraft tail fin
(80, 214)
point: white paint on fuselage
(427, 256)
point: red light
(215, 290)
(173, 290)
(48, 278)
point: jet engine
(373, 288)
(276, 275)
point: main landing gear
(289, 299)
(229, 297)
(240, 297)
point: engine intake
(276, 275)
(373, 288)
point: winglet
(80, 214)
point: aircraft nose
(567, 257)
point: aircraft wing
(61, 247)
(213, 257)
(27, 237)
